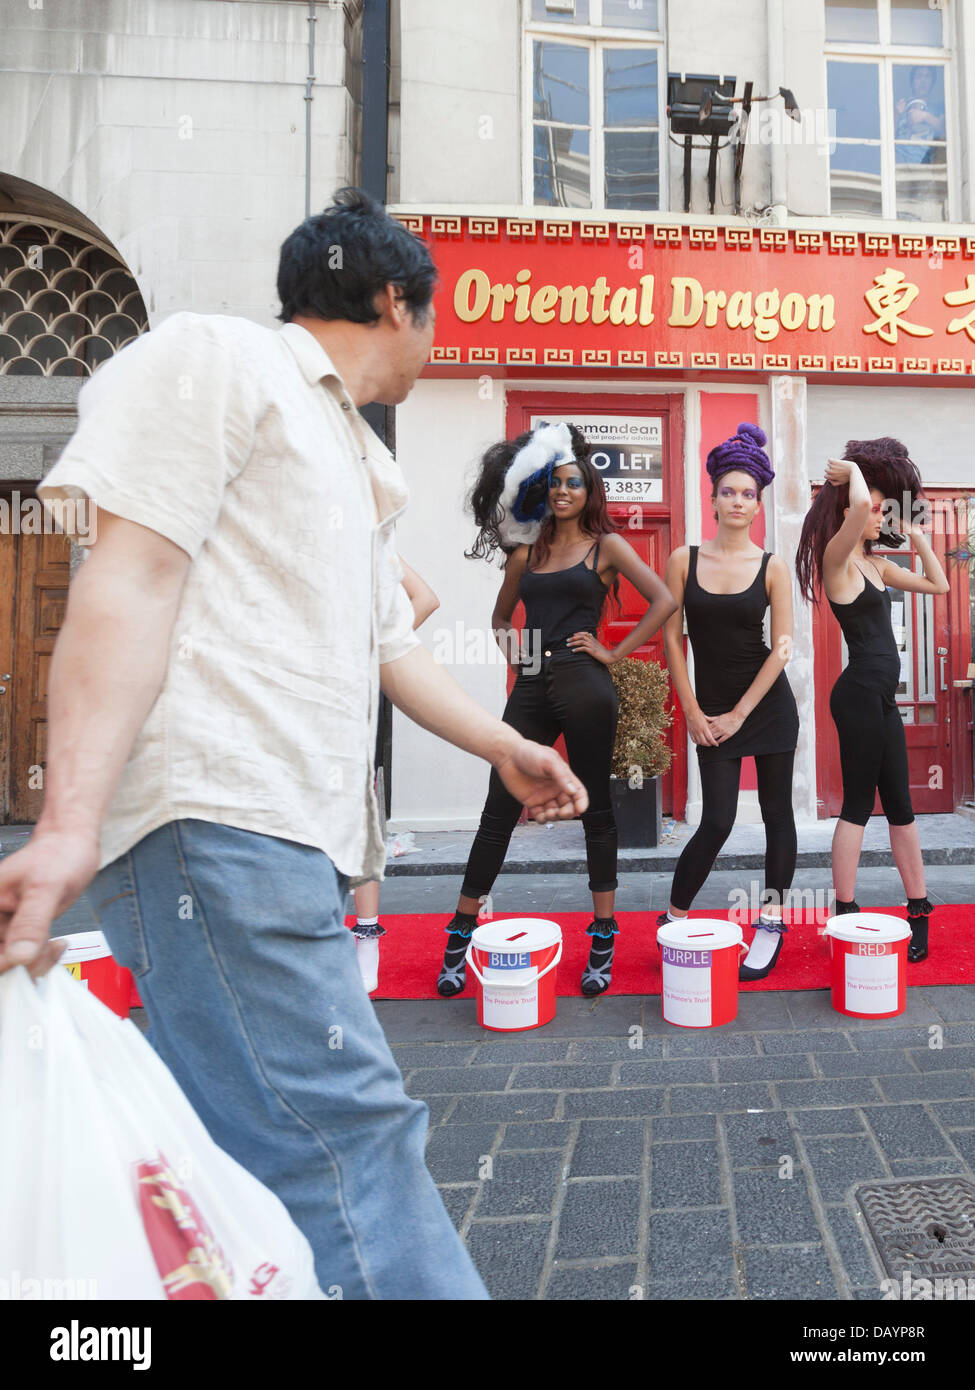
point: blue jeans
(255, 1003)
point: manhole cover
(925, 1228)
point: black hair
(334, 264)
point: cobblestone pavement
(612, 1156)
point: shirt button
(345, 405)
(548, 653)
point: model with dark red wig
(540, 501)
(870, 498)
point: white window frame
(594, 38)
(885, 55)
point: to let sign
(522, 292)
(626, 451)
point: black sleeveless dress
(726, 634)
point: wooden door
(35, 572)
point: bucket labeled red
(514, 964)
(868, 951)
(90, 961)
(699, 964)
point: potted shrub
(640, 755)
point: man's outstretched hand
(37, 884)
(543, 782)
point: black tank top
(562, 602)
(867, 629)
(728, 636)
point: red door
(653, 527)
(932, 633)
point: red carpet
(412, 950)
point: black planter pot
(639, 818)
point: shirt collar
(311, 357)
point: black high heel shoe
(918, 911)
(749, 972)
(453, 972)
(598, 974)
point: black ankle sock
(842, 908)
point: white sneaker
(367, 953)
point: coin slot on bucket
(517, 936)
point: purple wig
(744, 452)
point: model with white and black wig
(510, 498)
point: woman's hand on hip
(585, 642)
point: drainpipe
(374, 159)
(775, 28)
(309, 83)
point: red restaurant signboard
(519, 292)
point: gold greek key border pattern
(521, 226)
(703, 236)
(774, 238)
(445, 226)
(556, 231)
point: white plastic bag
(110, 1186)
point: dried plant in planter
(643, 689)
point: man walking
(212, 710)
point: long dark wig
(485, 503)
(887, 468)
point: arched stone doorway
(68, 302)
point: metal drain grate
(924, 1228)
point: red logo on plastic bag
(190, 1262)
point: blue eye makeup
(572, 483)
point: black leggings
(573, 694)
(873, 750)
(719, 789)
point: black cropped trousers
(571, 694)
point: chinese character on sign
(958, 297)
(891, 296)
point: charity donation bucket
(514, 964)
(90, 961)
(699, 964)
(869, 964)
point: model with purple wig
(871, 486)
(740, 704)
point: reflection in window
(561, 167)
(852, 21)
(561, 89)
(558, 14)
(914, 22)
(630, 14)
